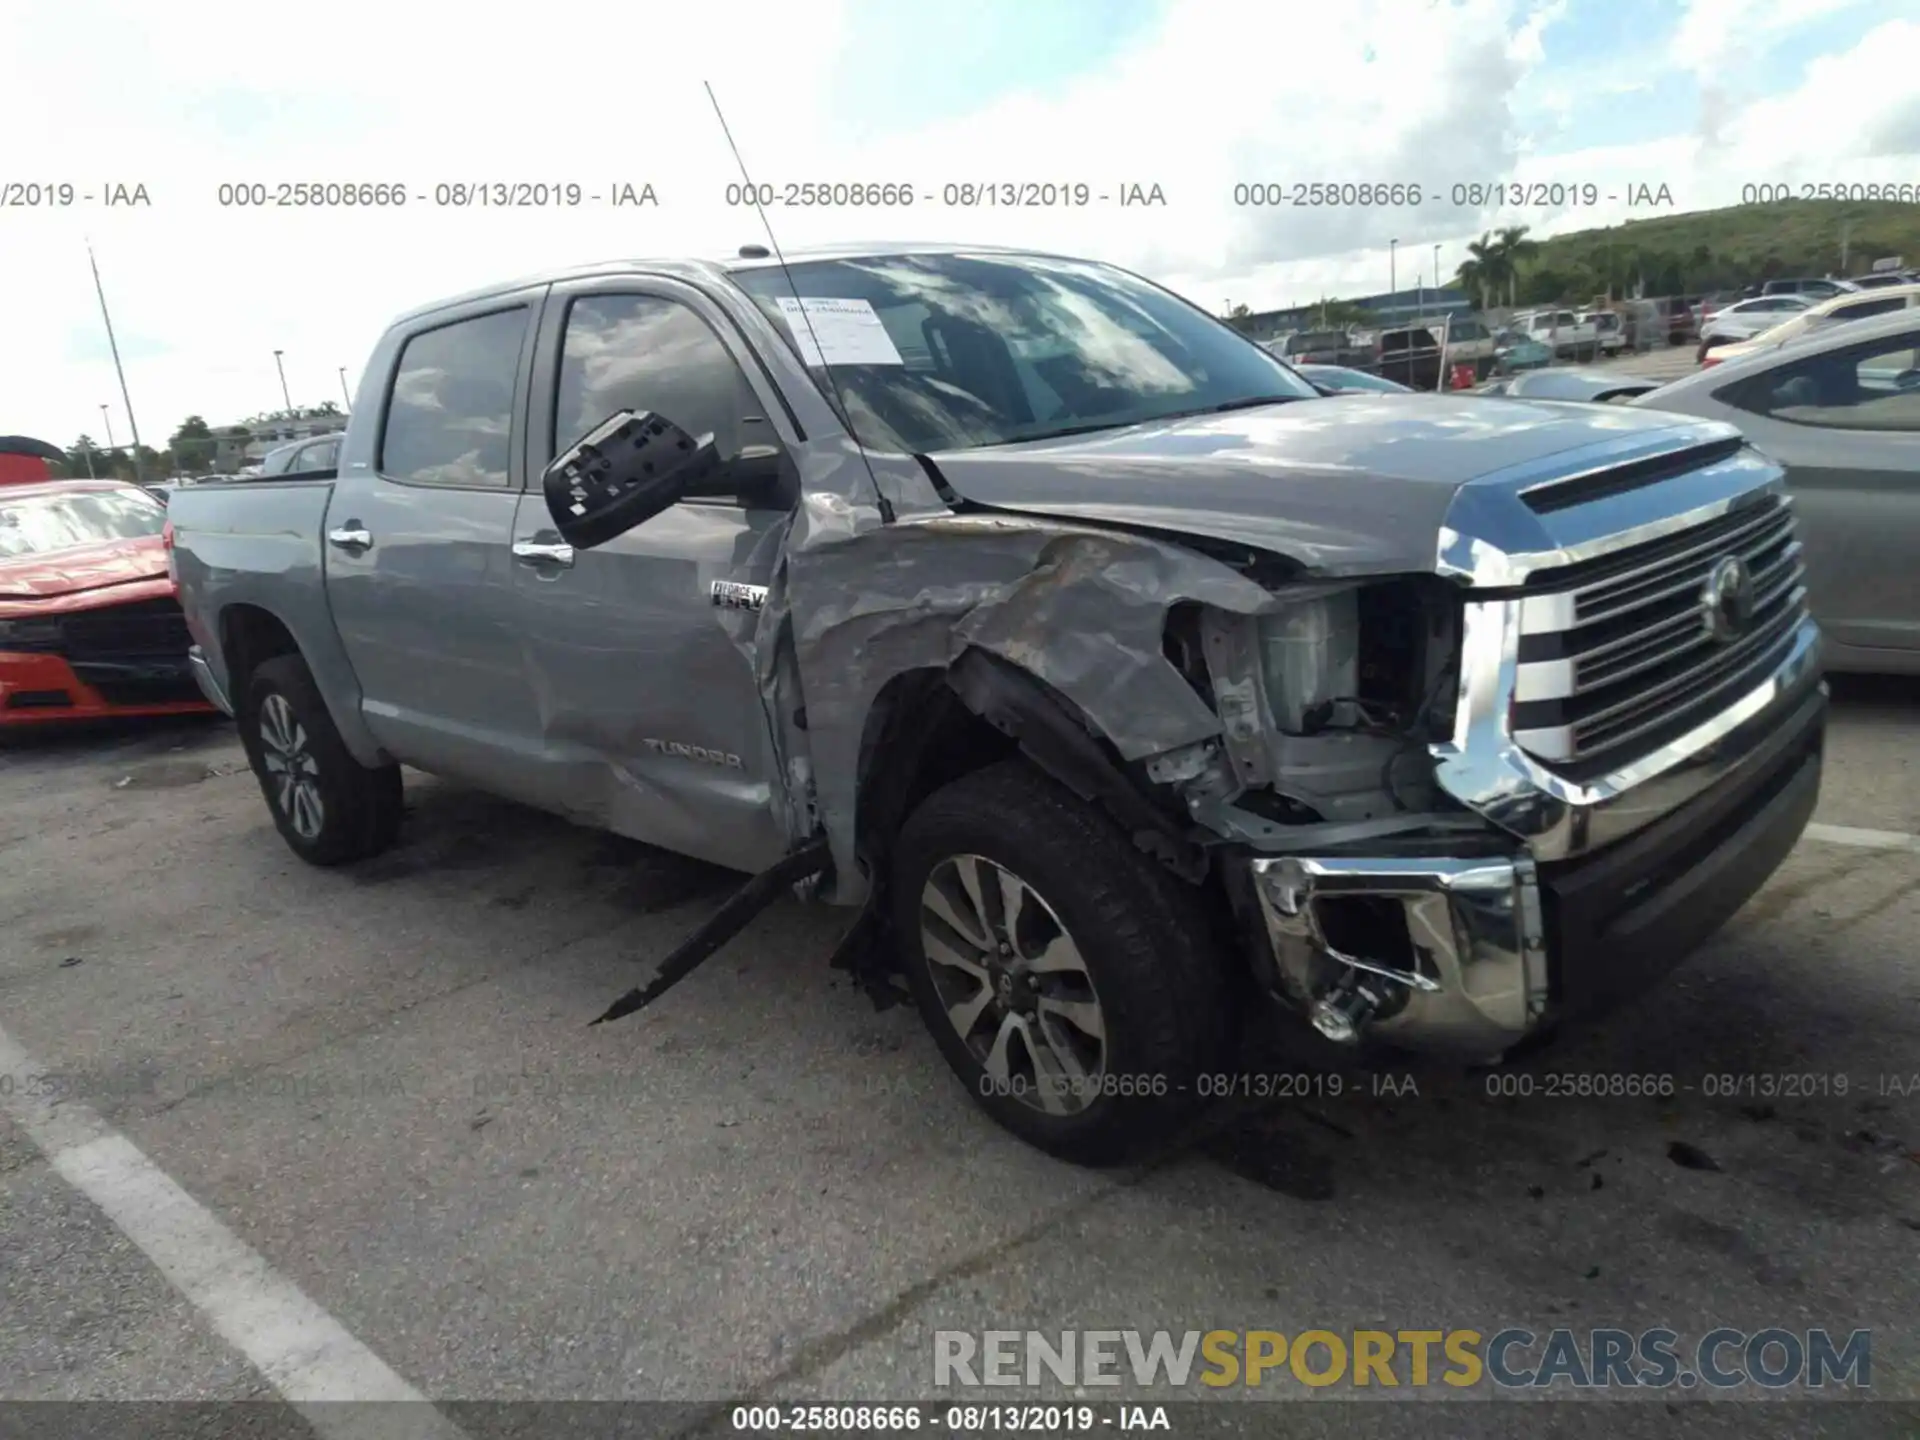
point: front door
(638, 653)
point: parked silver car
(1595, 386)
(302, 457)
(1841, 411)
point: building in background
(1384, 312)
(264, 432)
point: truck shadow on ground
(512, 857)
(83, 742)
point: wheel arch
(929, 726)
(251, 634)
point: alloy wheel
(1014, 985)
(291, 768)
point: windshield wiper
(1095, 425)
(1251, 404)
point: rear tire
(1084, 1020)
(327, 806)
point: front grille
(119, 632)
(1616, 654)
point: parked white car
(1562, 331)
(1745, 319)
(1610, 335)
(1841, 308)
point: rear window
(39, 524)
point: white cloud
(1714, 34)
(186, 98)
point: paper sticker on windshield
(839, 332)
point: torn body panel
(1082, 610)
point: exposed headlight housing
(1310, 657)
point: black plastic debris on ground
(1690, 1157)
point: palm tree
(1514, 246)
(1487, 270)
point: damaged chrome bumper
(1469, 956)
(1472, 976)
(1603, 880)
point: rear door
(651, 720)
(418, 545)
(1846, 424)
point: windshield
(36, 524)
(958, 351)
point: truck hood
(1351, 484)
(62, 573)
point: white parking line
(307, 1355)
(1865, 839)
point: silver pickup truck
(1119, 679)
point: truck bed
(254, 541)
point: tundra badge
(732, 595)
(694, 752)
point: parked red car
(89, 626)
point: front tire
(327, 806)
(1071, 983)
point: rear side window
(451, 413)
(1863, 308)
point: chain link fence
(1463, 351)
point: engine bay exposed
(1327, 706)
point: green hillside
(1696, 252)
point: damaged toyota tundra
(1128, 690)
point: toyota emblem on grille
(1726, 600)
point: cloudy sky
(1194, 96)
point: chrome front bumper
(1476, 979)
(1497, 947)
(204, 678)
(1599, 883)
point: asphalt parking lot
(382, 1080)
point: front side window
(1863, 387)
(39, 524)
(958, 351)
(451, 414)
(643, 352)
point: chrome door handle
(350, 538)
(532, 552)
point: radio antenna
(806, 317)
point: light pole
(343, 388)
(1436, 270)
(119, 370)
(1393, 282)
(283, 382)
(107, 420)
